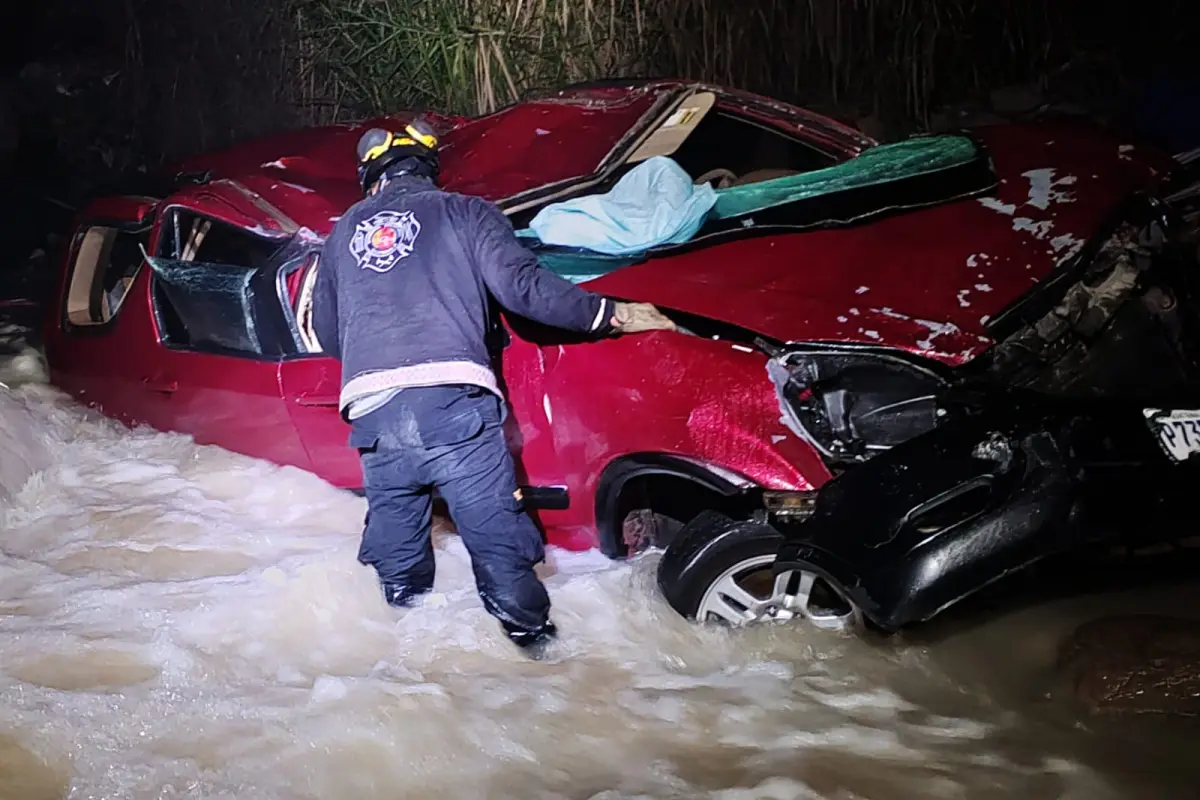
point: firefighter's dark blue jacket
(401, 295)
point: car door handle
(160, 385)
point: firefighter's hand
(638, 318)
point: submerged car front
(1071, 275)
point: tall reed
(470, 56)
(197, 74)
(895, 58)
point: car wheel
(719, 570)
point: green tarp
(875, 167)
(879, 165)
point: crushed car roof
(928, 280)
(309, 173)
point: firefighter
(401, 300)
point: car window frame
(289, 345)
(300, 323)
(625, 146)
(144, 225)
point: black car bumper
(990, 492)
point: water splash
(181, 621)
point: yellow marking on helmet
(378, 150)
(427, 139)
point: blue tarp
(653, 204)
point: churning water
(181, 622)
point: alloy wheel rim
(795, 594)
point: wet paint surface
(925, 281)
(922, 281)
(310, 173)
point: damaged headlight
(849, 403)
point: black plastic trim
(1021, 478)
(549, 498)
(622, 470)
(546, 498)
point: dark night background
(95, 92)
(151, 643)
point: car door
(311, 384)
(216, 372)
(98, 337)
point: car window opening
(205, 306)
(192, 237)
(205, 285)
(885, 179)
(716, 145)
(730, 150)
(106, 264)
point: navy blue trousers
(449, 438)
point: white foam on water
(181, 621)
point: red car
(882, 267)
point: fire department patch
(380, 242)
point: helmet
(379, 150)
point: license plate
(1178, 431)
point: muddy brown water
(182, 622)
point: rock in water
(1135, 664)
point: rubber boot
(398, 595)
(532, 642)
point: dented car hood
(925, 281)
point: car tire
(699, 574)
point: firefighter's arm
(514, 277)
